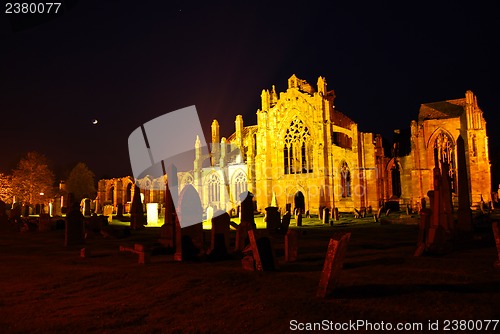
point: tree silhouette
(81, 182)
(32, 179)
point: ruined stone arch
(110, 192)
(128, 191)
(394, 171)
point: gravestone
(219, 242)
(291, 246)
(262, 253)
(56, 207)
(424, 224)
(496, 233)
(336, 214)
(152, 218)
(379, 212)
(25, 211)
(357, 214)
(285, 222)
(247, 210)
(298, 218)
(44, 223)
(74, 234)
(326, 216)
(241, 237)
(273, 219)
(86, 206)
(120, 209)
(247, 222)
(108, 212)
(210, 213)
(190, 225)
(144, 256)
(137, 218)
(333, 264)
(167, 235)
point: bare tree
(32, 179)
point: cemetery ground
(48, 288)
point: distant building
(305, 153)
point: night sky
(127, 62)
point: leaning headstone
(496, 234)
(75, 231)
(357, 214)
(241, 237)
(333, 264)
(326, 216)
(379, 212)
(291, 246)
(261, 251)
(285, 222)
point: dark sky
(127, 62)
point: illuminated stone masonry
(305, 153)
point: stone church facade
(305, 153)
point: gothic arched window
(128, 193)
(396, 180)
(240, 184)
(345, 180)
(297, 151)
(444, 153)
(213, 188)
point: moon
(95, 121)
